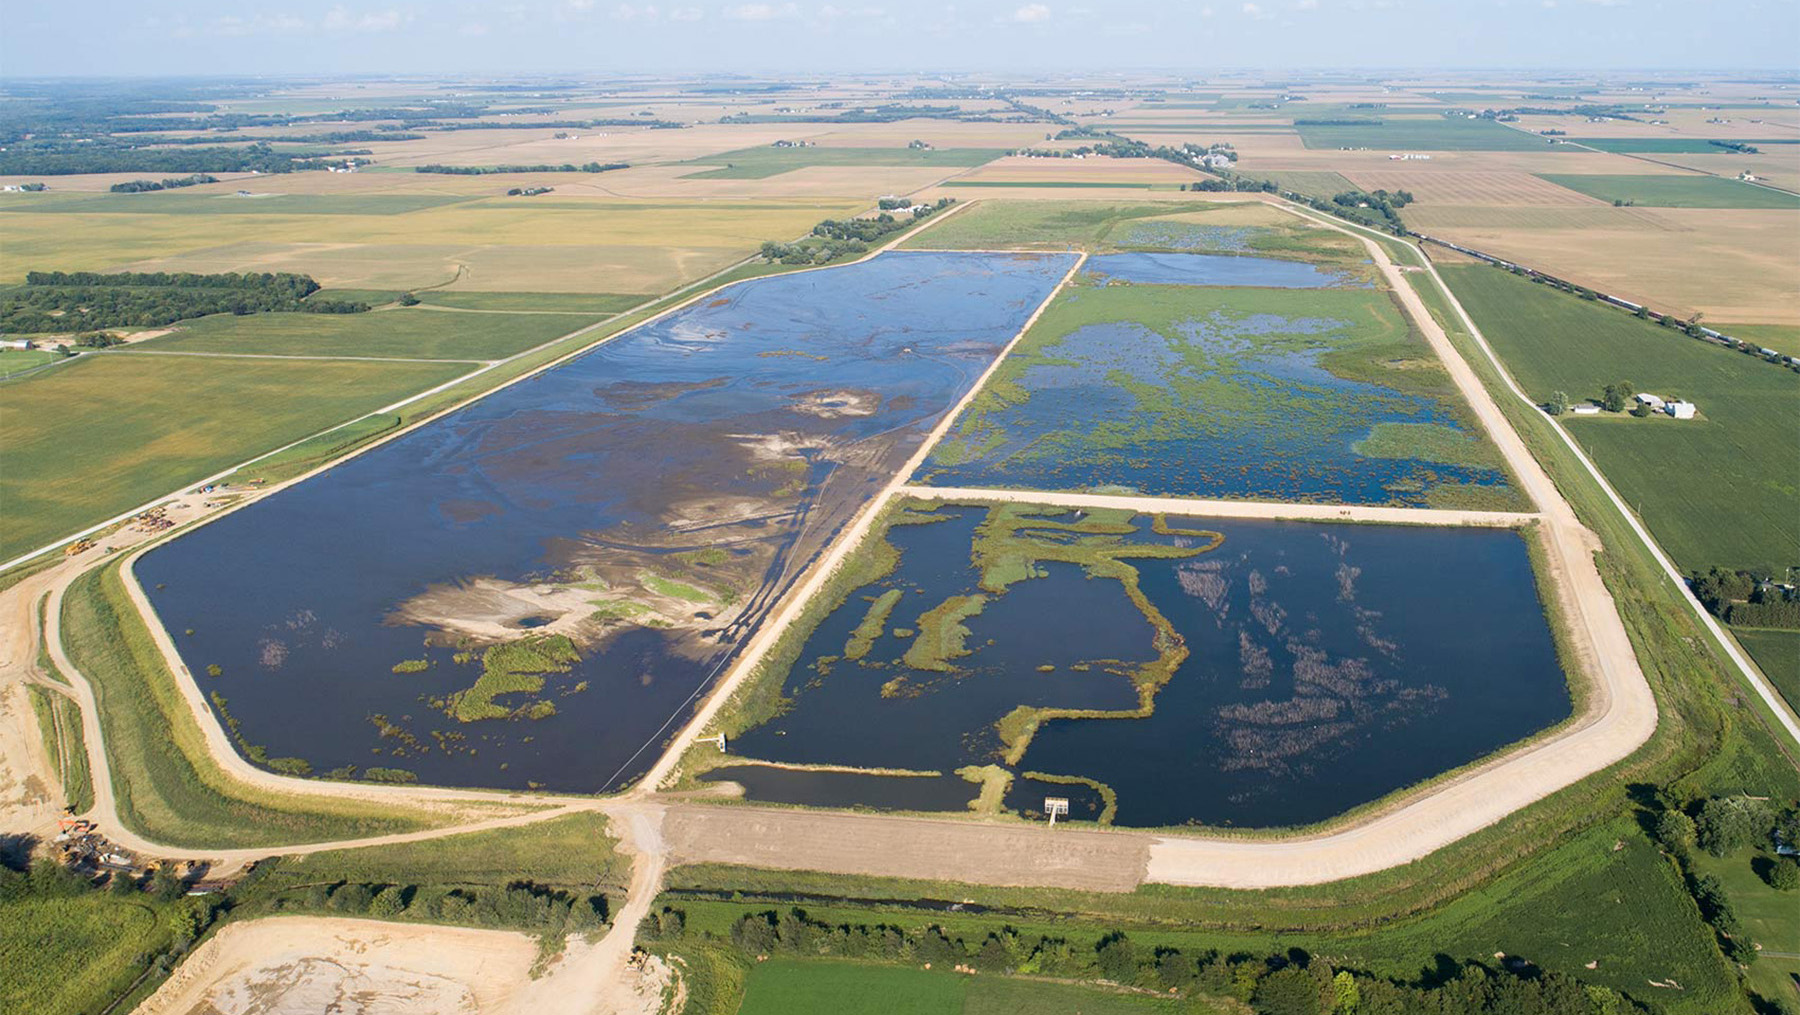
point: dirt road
(1230, 508)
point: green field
(1784, 338)
(402, 332)
(1430, 134)
(572, 303)
(1675, 191)
(73, 954)
(166, 421)
(1771, 917)
(1058, 225)
(1665, 145)
(14, 361)
(1777, 654)
(1716, 490)
(1312, 184)
(784, 986)
(759, 163)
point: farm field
(1777, 654)
(1783, 338)
(401, 332)
(1663, 191)
(784, 986)
(14, 361)
(571, 303)
(1431, 134)
(71, 951)
(1667, 469)
(1669, 145)
(170, 420)
(766, 161)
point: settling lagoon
(1181, 670)
(532, 591)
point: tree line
(835, 238)
(566, 167)
(119, 158)
(1292, 983)
(61, 301)
(166, 183)
(1746, 598)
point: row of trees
(57, 301)
(523, 905)
(836, 238)
(122, 158)
(1293, 983)
(566, 167)
(166, 183)
(1726, 826)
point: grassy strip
(873, 624)
(942, 634)
(59, 722)
(1109, 798)
(167, 785)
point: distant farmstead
(1681, 410)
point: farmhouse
(1680, 410)
(1216, 161)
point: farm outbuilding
(1653, 402)
(1681, 410)
(1586, 409)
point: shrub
(388, 903)
(1783, 875)
(1729, 824)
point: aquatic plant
(513, 667)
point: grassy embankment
(168, 786)
(403, 332)
(1546, 883)
(59, 724)
(1718, 490)
(1213, 392)
(1666, 190)
(168, 421)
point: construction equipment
(78, 546)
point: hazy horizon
(188, 38)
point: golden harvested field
(1432, 187)
(1736, 265)
(1777, 166)
(550, 243)
(1019, 169)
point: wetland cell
(645, 503)
(1309, 668)
(1318, 396)
(1165, 268)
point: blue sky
(199, 37)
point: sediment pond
(532, 591)
(1224, 672)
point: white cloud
(1031, 14)
(261, 24)
(761, 12)
(627, 12)
(685, 14)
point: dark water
(1328, 665)
(1145, 266)
(583, 465)
(1245, 417)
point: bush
(1783, 875)
(1727, 825)
(1675, 831)
(388, 903)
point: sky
(309, 37)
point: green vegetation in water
(514, 667)
(677, 589)
(1429, 442)
(1109, 798)
(942, 634)
(412, 666)
(994, 781)
(873, 623)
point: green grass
(1312, 184)
(790, 987)
(14, 361)
(74, 955)
(1668, 191)
(1771, 917)
(1665, 145)
(1055, 224)
(1777, 654)
(403, 332)
(573, 303)
(59, 724)
(84, 442)
(994, 995)
(1430, 134)
(167, 785)
(167, 203)
(1717, 490)
(763, 162)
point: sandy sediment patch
(489, 609)
(309, 964)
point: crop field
(1040, 225)
(1503, 187)
(1095, 171)
(169, 420)
(1666, 469)
(1431, 134)
(783, 986)
(1777, 653)
(757, 163)
(571, 303)
(1665, 191)
(1666, 145)
(215, 203)
(74, 954)
(402, 332)
(15, 361)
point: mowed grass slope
(1717, 490)
(402, 332)
(1666, 191)
(760, 163)
(83, 442)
